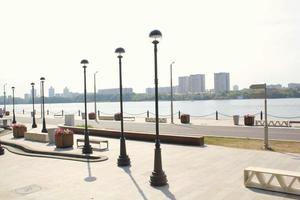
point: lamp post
(14, 116)
(95, 95)
(44, 130)
(33, 111)
(4, 98)
(158, 177)
(87, 149)
(1, 150)
(171, 87)
(266, 134)
(123, 159)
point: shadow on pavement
(128, 171)
(89, 178)
(167, 192)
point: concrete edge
(234, 137)
(29, 150)
(141, 136)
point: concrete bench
(94, 141)
(273, 123)
(38, 137)
(4, 123)
(106, 118)
(152, 119)
(272, 179)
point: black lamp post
(87, 149)
(1, 150)
(123, 159)
(33, 111)
(14, 116)
(158, 177)
(44, 130)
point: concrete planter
(185, 119)
(117, 117)
(249, 120)
(69, 120)
(92, 116)
(19, 132)
(64, 140)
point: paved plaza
(209, 172)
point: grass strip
(247, 143)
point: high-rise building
(221, 82)
(197, 83)
(294, 85)
(183, 84)
(51, 92)
(66, 92)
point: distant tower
(235, 88)
(183, 84)
(51, 92)
(66, 92)
(221, 82)
(196, 83)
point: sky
(256, 41)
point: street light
(14, 116)
(123, 159)
(1, 150)
(95, 97)
(33, 111)
(4, 98)
(266, 137)
(171, 87)
(158, 177)
(44, 130)
(87, 149)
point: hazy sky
(255, 41)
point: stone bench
(94, 141)
(152, 119)
(38, 137)
(272, 179)
(273, 123)
(5, 123)
(106, 118)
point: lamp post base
(1, 150)
(44, 130)
(34, 126)
(123, 160)
(158, 177)
(87, 149)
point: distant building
(196, 83)
(51, 92)
(294, 85)
(183, 84)
(221, 82)
(66, 92)
(274, 86)
(235, 88)
(161, 90)
(115, 91)
(27, 96)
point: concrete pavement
(210, 172)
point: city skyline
(254, 41)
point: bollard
(147, 113)
(261, 115)
(79, 113)
(217, 115)
(23, 111)
(179, 115)
(98, 112)
(47, 112)
(62, 112)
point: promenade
(209, 172)
(200, 127)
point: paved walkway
(210, 172)
(221, 128)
